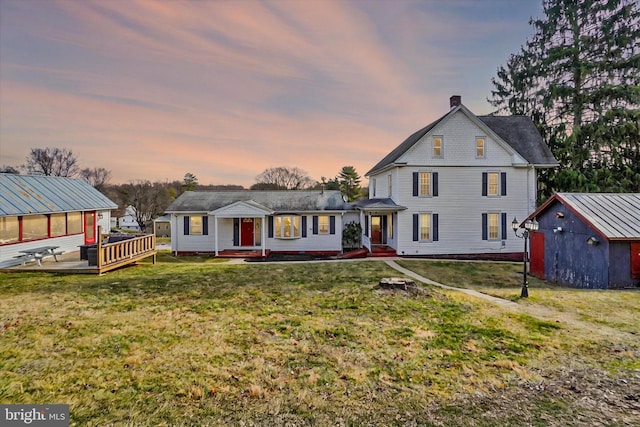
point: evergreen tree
(349, 182)
(578, 79)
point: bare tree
(97, 177)
(9, 169)
(147, 200)
(282, 178)
(52, 161)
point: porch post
(263, 235)
(215, 230)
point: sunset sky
(225, 89)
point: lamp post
(528, 227)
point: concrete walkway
(499, 301)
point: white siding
(459, 146)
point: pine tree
(578, 79)
(349, 182)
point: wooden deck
(109, 257)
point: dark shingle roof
(517, 131)
(277, 201)
(378, 204)
(36, 194)
(523, 136)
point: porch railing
(124, 250)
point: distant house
(452, 187)
(588, 240)
(265, 221)
(162, 226)
(128, 221)
(44, 210)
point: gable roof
(35, 194)
(277, 201)
(616, 216)
(518, 132)
(521, 134)
(386, 204)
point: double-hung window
(425, 184)
(425, 227)
(437, 147)
(494, 226)
(494, 184)
(323, 224)
(480, 147)
(196, 225)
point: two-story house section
(454, 186)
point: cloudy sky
(225, 89)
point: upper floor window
(480, 147)
(437, 146)
(494, 184)
(425, 184)
(287, 226)
(373, 186)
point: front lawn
(296, 344)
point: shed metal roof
(278, 201)
(615, 215)
(34, 194)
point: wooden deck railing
(125, 251)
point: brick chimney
(455, 100)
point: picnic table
(42, 252)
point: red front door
(635, 260)
(246, 232)
(376, 230)
(537, 254)
(89, 228)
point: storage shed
(45, 210)
(588, 240)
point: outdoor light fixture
(593, 241)
(528, 227)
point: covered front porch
(379, 218)
(243, 225)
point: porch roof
(387, 204)
(244, 209)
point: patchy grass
(283, 344)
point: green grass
(284, 344)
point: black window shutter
(304, 226)
(503, 183)
(186, 225)
(236, 231)
(332, 224)
(434, 219)
(315, 224)
(366, 225)
(205, 225)
(434, 178)
(503, 219)
(484, 227)
(416, 235)
(416, 180)
(484, 183)
(270, 231)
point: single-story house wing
(265, 221)
(38, 211)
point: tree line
(148, 200)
